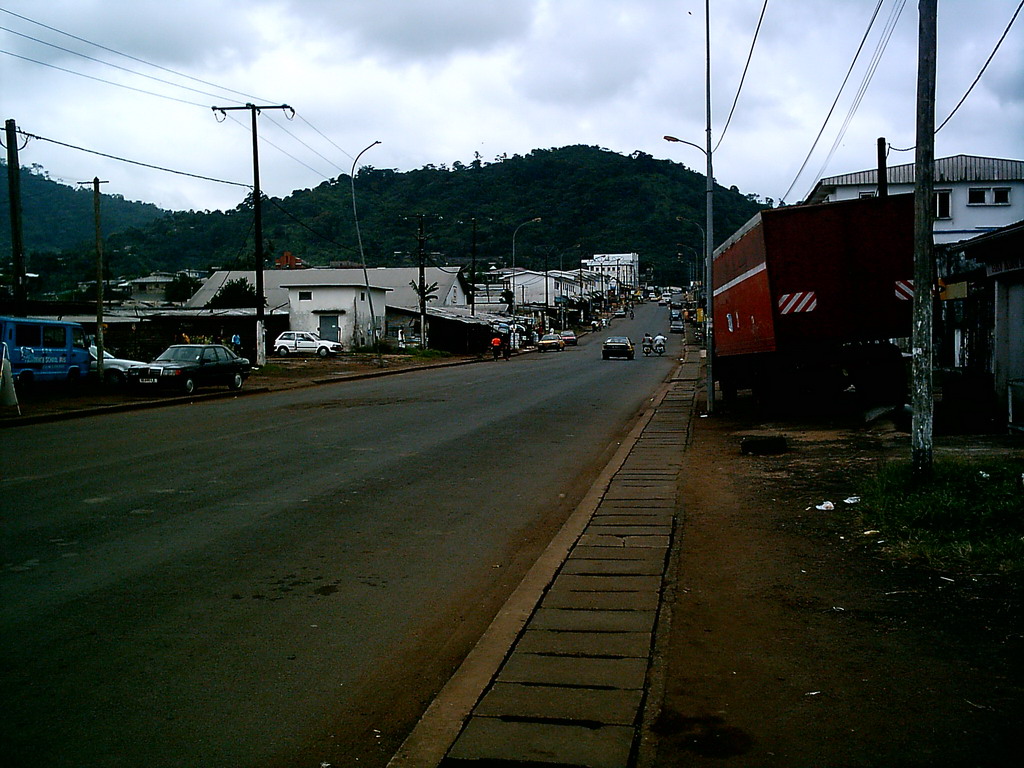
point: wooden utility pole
(421, 239)
(924, 264)
(883, 173)
(257, 210)
(17, 239)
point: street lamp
(513, 280)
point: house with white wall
(338, 311)
(973, 195)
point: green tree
(234, 293)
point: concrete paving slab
(579, 671)
(489, 738)
(590, 601)
(637, 518)
(592, 621)
(618, 542)
(600, 552)
(628, 530)
(615, 552)
(582, 566)
(569, 705)
(566, 643)
(609, 582)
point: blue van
(45, 350)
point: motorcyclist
(659, 343)
(647, 341)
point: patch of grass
(968, 517)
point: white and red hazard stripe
(802, 301)
(905, 290)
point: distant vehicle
(115, 369)
(617, 346)
(305, 343)
(620, 312)
(550, 341)
(676, 326)
(569, 338)
(45, 350)
(187, 366)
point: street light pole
(709, 232)
(513, 280)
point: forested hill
(57, 216)
(590, 200)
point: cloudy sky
(437, 81)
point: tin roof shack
(980, 333)
(807, 298)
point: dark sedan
(187, 366)
(617, 346)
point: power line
(856, 56)
(101, 80)
(743, 77)
(987, 62)
(133, 162)
(128, 56)
(109, 64)
(876, 58)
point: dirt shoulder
(795, 642)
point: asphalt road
(285, 579)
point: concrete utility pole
(99, 274)
(924, 264)
(257, 210)
(17, 238)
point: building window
(866, 194)
(305, 295)
(988, 196)
(942, 210)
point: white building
(973, 195)
(621, 269)
(337, 311)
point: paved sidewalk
(571, 690)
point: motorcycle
(646, 346)
(659, 347)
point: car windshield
(181, 355)
(549, 337)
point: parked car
(569, 338)
(115, 369)
(550, 341)
(676, 326)
(617, 346)
(305, 343)
(187, 366)
(620, 312)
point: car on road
(676, 326)
(115, 369)
(620, 312)
(569, 338)
(187, 366)
(305, 343)
(617, 346)
(550, 341)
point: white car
(113, 367)
(305, 343)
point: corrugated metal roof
(947, 169)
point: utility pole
(883, 173)
(421, 239)
(99, 274)
(472, 273)
(17, 238)
(261, 343)
(924, 265)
